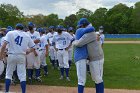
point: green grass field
(121, 69)
(122, 39)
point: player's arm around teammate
(96, 58)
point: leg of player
(66, 64)
(81, 74)
(11, 65)
(43, 62)
(21, 71)
(96, 68)
(52, 56)
(61, 64)
(30, 60)
(70, 57)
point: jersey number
(18, 40)
(64, 42)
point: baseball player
(33, 59)
(18, 42)
(61, 42)
(81, 53)
(102, 37)
(70, 51)
(52, 52)
(43, 50)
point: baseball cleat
(38, 79)
(30, 81)
(68, 79)
(61, 77)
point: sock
(45, 69)
(70, 63)
(62, 71)
(29, 73)
(88, 68)
(7, 84)
(53, 63)
(57, 63)
(37, 73)
(23, 86)
(100, 87)
(67, 72)
(32, 73)
(80, 89)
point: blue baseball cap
(19, 25)
(82, 21)
(40, 30)
(51, 27)
(30, 24)
(70, 29)
(9, 27)
(60, 27)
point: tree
(136, 18)
(3, 17)
(84, 13)
(99, 17)
(70, 21)
(51, 19)
(117, 19)
(10, 15)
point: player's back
(50, 36)
(18, 42)
(35, 35)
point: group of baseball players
(26, 51)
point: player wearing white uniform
(2, 33)
(70, 51)
(102, 37)
(52, 52)
(43, 50)
(61, 43)
(18, 42)
(33, 59)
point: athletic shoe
(30, 81)
(68, 79)
(38, 79)
(61, 77)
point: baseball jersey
(62, 41)
(43, 42)
(2, 40)
(102, 37)
(50, 36)
(81, 52)
(34, 36)
(18, 42)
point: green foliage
(121, 69)
(136, 18)
(9, 15)
(120, 19)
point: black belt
(61, 49)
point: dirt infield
(58, 89)
(123, 42)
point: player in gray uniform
(96, 58)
